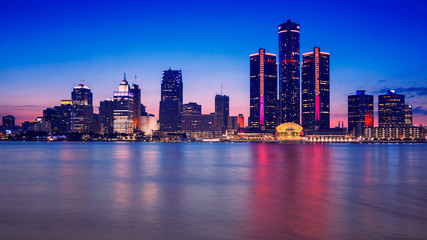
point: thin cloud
(414, 91)
(419, 110)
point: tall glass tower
(289, 72)
(315, 90)
(263, 91)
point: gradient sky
(47, 47)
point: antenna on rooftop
(221, 88)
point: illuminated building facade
(360, 112)
(149, 124)
(315, 90)
(263, 91)
(289, 72)
(241, 121)
(65, 112)
(171, 100)
(408, 115)
(8, 122)
(123, 105)
(289, 131)
(82, 108)
(106, 116)
(136, 106)
(393, 133)
(222, 111)
(391, 109)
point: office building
(391, 109)
(408, 115)
(82, 108)
(198, 122)
(233, 122)
(123, 106)
(191, 108)
(64, 111)
(52, 116)
(106, 116)
(289, 72)
(263, 91)
(315, 90)
(8, 122)
(171, 100)
(222, 111)
(136, 106)
(390, 132)
(360, 112)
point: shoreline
(225, 141)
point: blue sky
(47, 47)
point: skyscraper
(136, 106)
(123, 108)
(289, 72)
(106, 116)
(360, 112)
(408, 115)
(391, 109)
(315, 90)
(82, 108)
(171, 100)
(263, 90)
(222, 111)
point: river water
(212, 191)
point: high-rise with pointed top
(289, 72)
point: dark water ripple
(212, 191)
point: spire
(124, 76)
(221, 88)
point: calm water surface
(212, 191)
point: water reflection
(212, 191)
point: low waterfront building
(39, 125)
(330, 135)
(393, 133)
(289, 131)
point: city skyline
(26, 74)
